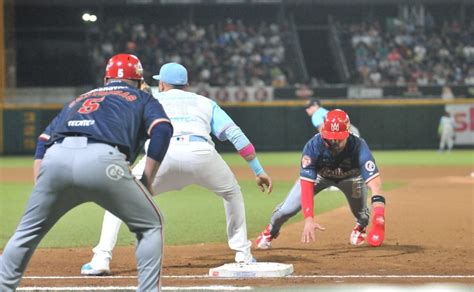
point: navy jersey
(354, 160)
(116, 114)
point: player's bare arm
(160, 136)
(375, 186)
(151, 168)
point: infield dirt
(429, 231)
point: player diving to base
(334, 157)
(192, 159)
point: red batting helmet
(124, 66)
(336, 125)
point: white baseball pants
(187, 163)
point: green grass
(195, 215)
(415, 157)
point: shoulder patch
(305, 161)
(369, 165)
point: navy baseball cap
(312, 101)
(173, 73)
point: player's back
(110, 114)
(190, 113)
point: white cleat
(89, 270)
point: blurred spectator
(410, 51)
(447, 93)
(229, 53)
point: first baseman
(84, 155)
(192, 159)
(334, 157)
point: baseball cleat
(251, 260)
(89, 270)
(264, 240)
(358, 235)
(377, 231)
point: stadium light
(86, 17)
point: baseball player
(446, 132)
(317, 113)
(192, 159)
(334, 157)
(84, 155)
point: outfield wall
(281, 126)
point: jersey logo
(369, 166)
(334, 127)
(114, 172)
(81, 123)
(305, 161)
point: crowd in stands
(229, 53)
(404, 52)
(234, 53)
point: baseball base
(253, 270)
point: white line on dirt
(294, 276)
(131, 288)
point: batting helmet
(124, 66)
(336, 125)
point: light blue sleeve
(318, 117)
(220, 122)
(224, 128)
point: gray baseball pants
(74, 172)
(354, 189)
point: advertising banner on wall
(361, 92)
(232, 93)
(464, 117)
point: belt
(122, 149)
(190, 138)
(89, 141)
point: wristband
(378, 199)
(247, 150)
(256, 166)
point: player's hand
(264, 182)
(309, 230)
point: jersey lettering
(90, 105)
(81, 123)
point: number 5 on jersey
(90, 105)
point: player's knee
(230, 191)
